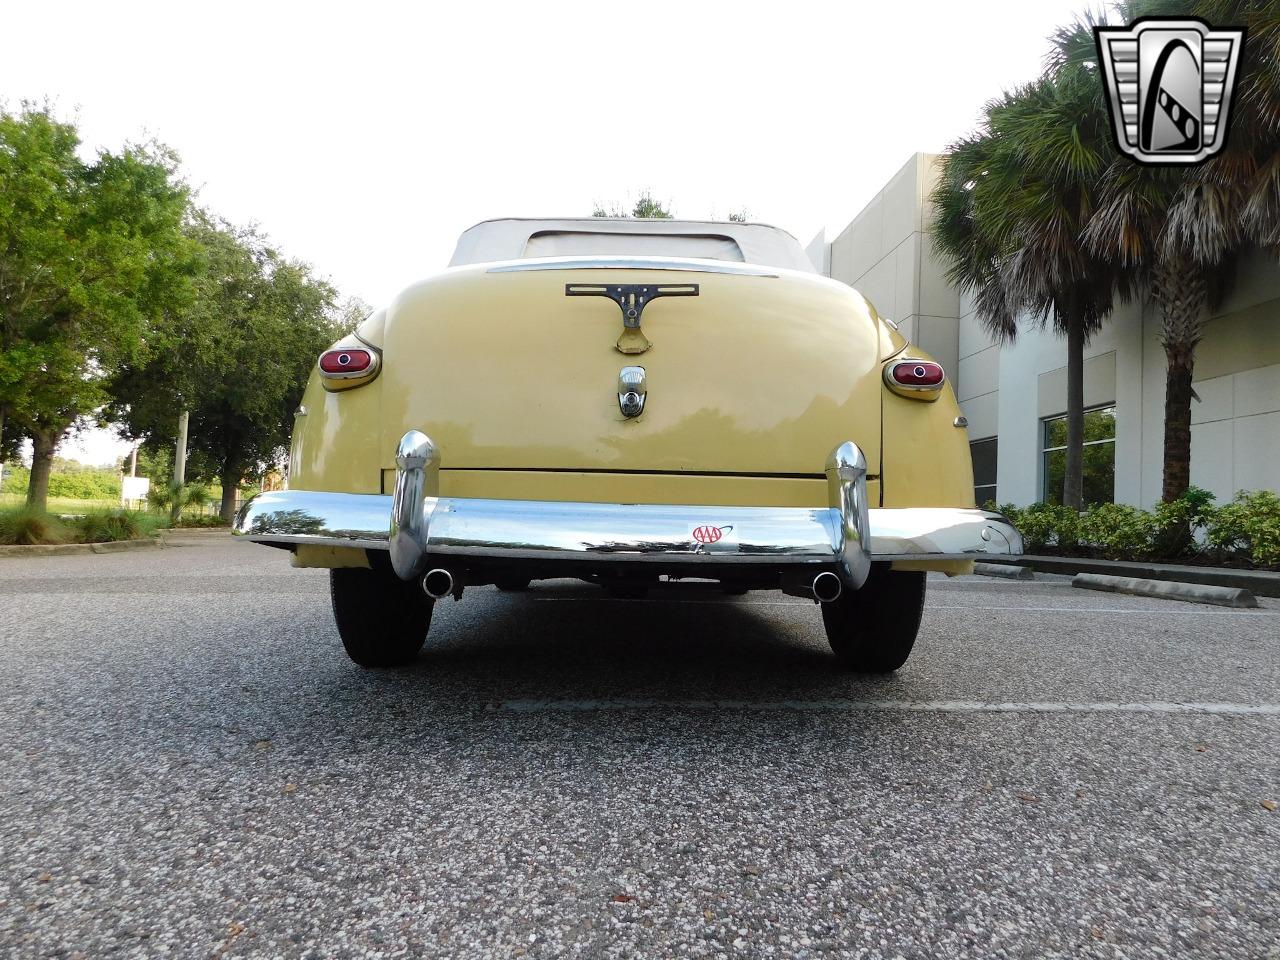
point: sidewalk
(1263, 583)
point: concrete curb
(1005, 571)
(1261, 583)
(79, 549)
(1167, 590)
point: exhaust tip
(438, 583)
(827, 587)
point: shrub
(16, 479)
(1177, 522)
(162, 495)
(68, 481)
(1249, 526)
(1045, 524)
(1118, 531)
(25, 527)
(87, 484)
(197, 495)
(107, 526)
(214, 521)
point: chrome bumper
(414, 524)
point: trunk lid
(762, 372)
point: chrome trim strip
(635, 263)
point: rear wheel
(382, 620)
(872, 630)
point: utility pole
(179, 468)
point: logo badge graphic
(708, 534)
(1169, 84)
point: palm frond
(1260, 218)
(1073, 45)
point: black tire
(872, 630)
(512, 584)
(382, 620)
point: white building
(1012, 394)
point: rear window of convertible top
(578, 243)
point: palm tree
(1010, 205)
(1178, 230)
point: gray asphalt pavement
(190, 767)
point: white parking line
(1132, 610)
(893, 706)
(1135, 611)
(946, 583)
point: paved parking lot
(191, 767)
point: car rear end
(630, 420)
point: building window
(1099, 456)
(984, 470)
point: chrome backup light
(917, 379)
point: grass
(64, 506)
(9, 501)
(107, 526)
(69, 520)
(23, 527)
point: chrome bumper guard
(415, 524)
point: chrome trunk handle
(632, 391)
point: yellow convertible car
(628, 402)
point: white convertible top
(517, 239)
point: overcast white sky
(364, 137)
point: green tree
(645, 207)
(352, 312)
(1180, 229)
(91, 253)
(238, 360)
(1009, 208)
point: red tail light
(344, 368)
(350, 362)
(917, 379)
(918, 373)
